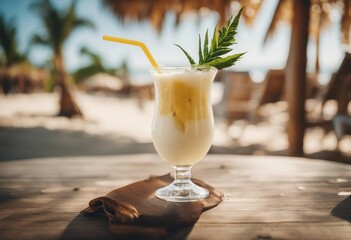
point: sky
(258, 59)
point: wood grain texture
(265, 197)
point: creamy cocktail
(182, 128)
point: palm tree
(96, 66)
(58, 26)
(11, 54)
(8, 42)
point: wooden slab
(134, 212)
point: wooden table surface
(265, 197)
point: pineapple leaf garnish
(220, 45)
(191, 60)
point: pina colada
(182, 128)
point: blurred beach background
(110, 90)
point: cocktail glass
(183, 125)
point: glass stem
(182, 175)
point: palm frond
(39, 40)
(82, 22)
(71, 21)
(83, 73)
(8, 42)
(58, 25)
(94, 58)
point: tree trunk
(68, 106)
(318, 35)
(296, 76)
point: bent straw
(135, 43)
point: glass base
(182, 191)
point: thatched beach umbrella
(155, 11)
(23, 77)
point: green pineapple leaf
(191, 60)
(220, 45)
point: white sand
(102, 115)
(110, 115)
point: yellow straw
(135, 43)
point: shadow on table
(85, 227)
(38, 142)
(97, 227)
(343, 210)
(330, 155)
